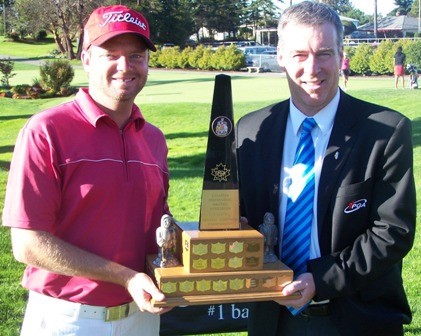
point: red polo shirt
(75, 174)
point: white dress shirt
(320, 134)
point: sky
(367, 6)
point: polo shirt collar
(93, 113)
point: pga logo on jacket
(355, 205)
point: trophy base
(182, 288)
(194, 300)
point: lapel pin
(336, 155)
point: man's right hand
(142, 289)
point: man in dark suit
(364, 210)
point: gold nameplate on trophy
(220, 210)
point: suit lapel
(339, 147)
(272, 135)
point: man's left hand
(304, 284)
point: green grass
(27, 49)
(179, 102)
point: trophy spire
(220, 198)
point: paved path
(33, 60)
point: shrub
(183, 60)
(168, 57)
(204, 62)
(228, 58)
(195, 56)
(41, 35)
(224, 58)
(153, 59)
(381, 62)
(55, 53)
(6, 94)
(56, 74)
(360, 62)
(234, 58)
(14, 36)
(217, 59)
(350, 51)
(48, 94)
(413, 53)
(21, 89)
(6, 68)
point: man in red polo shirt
(87, 188)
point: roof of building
(400, 23)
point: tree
(261, 13)
(218, 15)
(6, 68)
(64, 19)
(228, 16)
(28, 12)
(414, 9)
(349, 27)
(64, 12)
(169, 20)
(358, 15)
(340, 6)
(404, 6)
(4, 6)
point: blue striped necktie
(299, 211)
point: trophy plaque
(220, 261)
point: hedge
(367, 59)
(201, 58)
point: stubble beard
(122, 96)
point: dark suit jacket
(366, 211)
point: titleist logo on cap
(120, 17)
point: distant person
(413, 76)
(399, 68)
(345, 71)
(83, 210)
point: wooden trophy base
(193, 300)
(182, 288)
